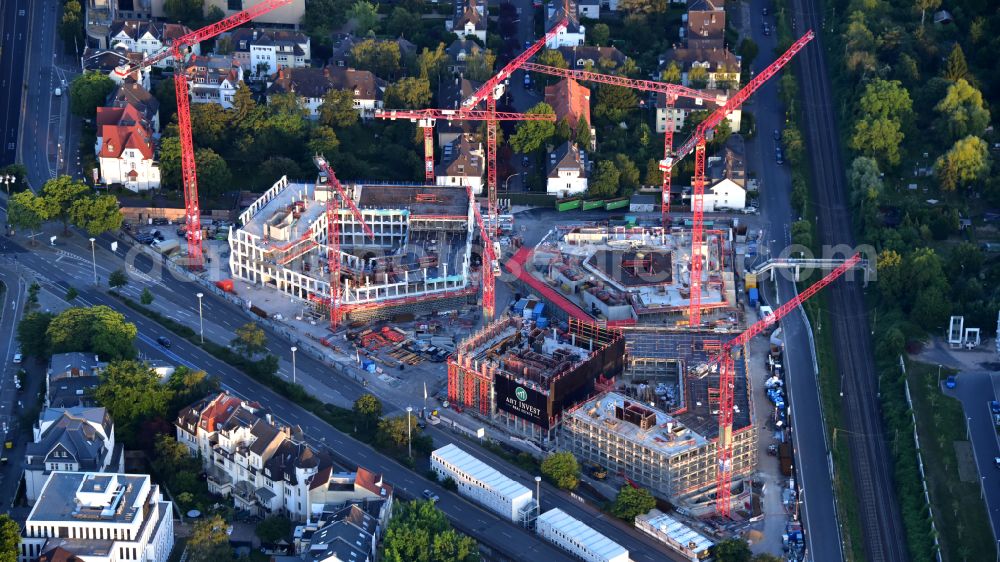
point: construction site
(417, 258)
(626, 275)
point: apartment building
(462, 164)
(214, 79)
(567, 173)
(147, 37)
(125, 150)
(262, 52)
(312, 84)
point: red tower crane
(177, 50)
(670, 91)
(727, 370)
(697, 143)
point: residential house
(98, 517)
(312, 85)
(265, 467)
(289, 15)
(131, 93)
(731, 164)
(148, 37)
(134, 9)
(459, 51)
(69, 379)
(469, 20)
(331, 491)
(349, 535)
(588, 9)
(451, 95)
(124, 149)
(108, 61)
(571, 101)
(573, 34)
(598, 59)
(77, 439)
(567, 172)
(343, 45)
(725, 195)
(722, 68)
(262, 52)
(214, 79)
(677, 113)
(462, 164)
(706, 23)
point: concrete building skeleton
(419, 260)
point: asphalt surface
(13, 29)
(881, 523)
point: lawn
(959, 511)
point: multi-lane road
(13, 44)
(884, 537)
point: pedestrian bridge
(798, 264)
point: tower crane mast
(727, 371)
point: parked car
(764, 11)
(765, 29)
(429, 495)
(18, 357)
(994, 405)
(951, 382)
(162, 340)
(777, 135)
(996, 462)
(779, 155)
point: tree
(380, 57)
(403, 23)
(276, 166)
(322, 140)
(27, 211)
(605, 180)
(599, 35)
(97, 214)
(432, 64)
(71, 26)
(628, 177)
(31, 334)
(209, 541)
(479, 66)
(865, 180)
(250, 340)
(583, 134)
(10, 538)
(931, 307)
(146, 297)
(643, 6)
(562, 469)
(59, 195)
(170, 162)
(732, 550)
(966, 162)
(748, 52)
(132, 394)
(274, 529)
(654, 176)
(419, 532)
(409, 93)
(210, 125)
(392, 431)
(562, 132)
(532, 135)
(337, 109)
(71, 294)
(214, 177)
(213, 15)
(886, 98)
(955, 67)
(365, 17)
(962, 111)
(879, 138)
(631, 502)
(96, 329)
(188, 12)
(698, 77)
(89, 91)
(117, 279)
(614, 102)
(368, 408)
(165, 93)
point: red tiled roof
(123, 128)
(516, 266)
(569, 99)
(371, 481)
(219, 411)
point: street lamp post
(93, 256)
(505, 189)
(538, 492)
(939, 375)
(201, 319)
(294, 349)
(409, 439)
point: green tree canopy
(27, 211)
(955, 67)
(170, 162)
(132, 394)
(479, 66)
(583, 134)
(364, 14)
(562, 469)
(628, 178)
(31, 334)
(117, 279)
(865, 180)
(403, 23)
(732, 550)
(879, 138)
(533, 135)
(672, 73)
(392, 431)
(698, 77)
(322, 140)
(337, 109)
(60, 194)
(89, 91)
(599, 35)
(165, 93)
(188, 12)
(97, 214)
(962, 111)
(274, 529)
(380, 57)
(245, 114)
(71, 26)
(643, 6)
(886, 98)
(419, 532)
(97, 329)
(631, 502)
(966, 162)
(614, 102)
(748, 52)
(209, 541)
(368, 408)
(432, 64)
(214, 178)
(250, 340)
(605, 181)
(10, 538)
(210, 125)
(409, 93)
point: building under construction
(524, 377)
(418, 258)
(629, 275)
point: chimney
(326, 71)
(255, 35)
(281, 73)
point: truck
(165, 246)
(568, 204)
(619, 203)
(591, 204)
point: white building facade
(571, 535)
(99, 517)
(725, 196)
(567, 174)
(482, 483)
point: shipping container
(751, 281)
(704, 224)
(568, 203)
(591, 204)
(753, 297)
(619, 203)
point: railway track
(884, 536)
